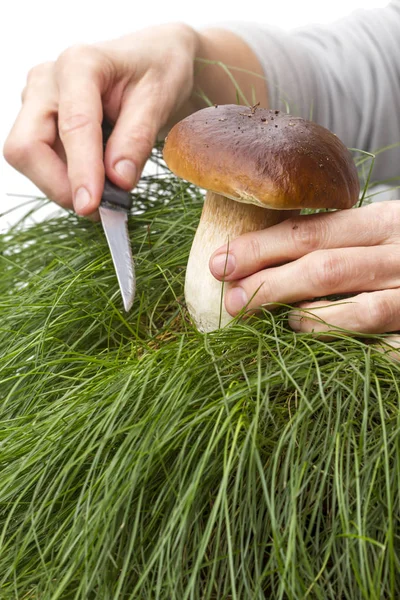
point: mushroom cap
(263, 157)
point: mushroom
(256, 165)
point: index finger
(80, 116)
(296, 237)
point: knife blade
(114, 209)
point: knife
(114, 209)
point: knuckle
(175, 61)
(327, 270)
(39, 71)
(18, 154)
(380, 312)
(387, 207)
(307, 233)
(82, 58)
(36, 76)
(74, 54)
(143, 138)
(24, 93)
(32, 74)
(388, 215)
(9, 151)
(254, 250)
(74, 122)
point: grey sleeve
(345, 76)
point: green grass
(141, 459)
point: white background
(36, 31)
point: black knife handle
(106, 128)
(113, 196)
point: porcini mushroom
(256, 165)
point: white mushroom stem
(222, 221)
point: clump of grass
(141, 459)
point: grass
(143, 460)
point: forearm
(345, 76)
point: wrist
(224, 65)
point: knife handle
(113, 196)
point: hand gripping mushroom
(256, 165)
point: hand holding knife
(114, 209)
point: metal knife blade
(115, 225)
(114, 209)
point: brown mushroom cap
(263, 157)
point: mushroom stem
(222, 220)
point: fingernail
(295, 319)
(127, 169)
(223, 264)
(82, 200)
(236, 299)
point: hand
(353, 252)
(137, 81)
